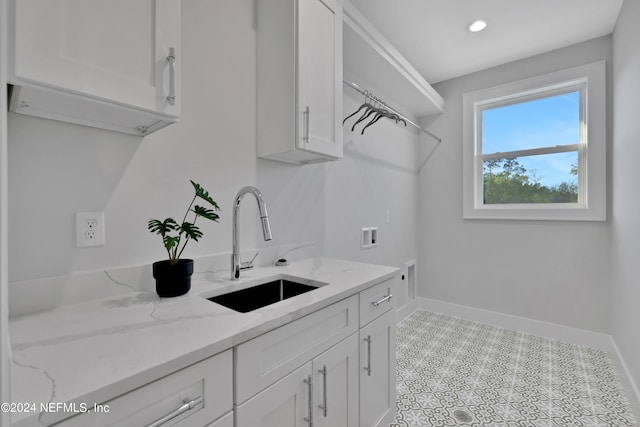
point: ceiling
(433, 36)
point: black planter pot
(173, 280)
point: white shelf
(374, 64)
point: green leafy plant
(176, 236)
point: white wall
(625, 222)
(551, 271)
(378, 173)
(295, 197)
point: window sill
(528, 212)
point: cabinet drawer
(269, 357)
(207, 384)
(376, 300)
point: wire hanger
(404, 119)
(373, 106)
(364, 105)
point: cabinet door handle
(188, 405)
(309, 419)
(323, 371)
(305, 116)
(368, 367)
(172, 76)
(385, 299)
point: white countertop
(92, 352)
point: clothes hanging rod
(365, 93)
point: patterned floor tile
(454, 372)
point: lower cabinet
(332, 368)
(323, 392)
(378, 373)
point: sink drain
(462, 416)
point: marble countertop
(92, 352)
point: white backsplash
(32, 296)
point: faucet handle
(248, 264)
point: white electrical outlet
(89, 229)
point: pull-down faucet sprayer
(264, 219)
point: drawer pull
(323, 371)
(188, 405)
(305, 114)
(385, 299)
(172, 76)
(309, 384)
(368, 367)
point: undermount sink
(259, 296)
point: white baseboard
(568, 334)
(406, 310)
(629, 384)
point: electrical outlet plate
(89, 229)
(368, 237)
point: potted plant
(173, 276)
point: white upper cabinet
(299, 44)
(108, 64)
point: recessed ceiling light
(477, 25)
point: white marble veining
(36, 295)
(96, 350)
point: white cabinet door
(320, 76)
(378, 372)
(335, 385)
(299, 96)
(284, 404)
(102, 53)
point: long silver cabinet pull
(172, 76)
(309, 384)
(323, 371)
(385, 299)
(188, 405)
(368, 367)
(305, 115)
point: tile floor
(454, 372)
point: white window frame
(590, 80)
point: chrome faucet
(266, 228)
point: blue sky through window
(544, 122)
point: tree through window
(531, 150)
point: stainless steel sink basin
(255, 297)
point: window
(535, 149)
